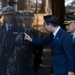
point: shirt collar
(55, 32)
(7, 25)
(74, 35)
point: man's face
(8, 18)
(70, 27)
(48, 27)
(28, 22)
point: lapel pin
(57, 38)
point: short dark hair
(51, 19)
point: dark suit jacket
(62, 56)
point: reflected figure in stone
(9, 31)
(31, 55)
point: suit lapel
(57, 38)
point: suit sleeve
(68, 46)
(42, 41)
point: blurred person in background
(31, 55)
(9, 30)
(70, 27)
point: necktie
(71, 36)
(52, 36)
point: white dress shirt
(55, 32)
(73, 36)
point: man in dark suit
(60, 44)
(70, 27)
(9, 31)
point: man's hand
(27, 37)
(70, 73)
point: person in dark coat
(60, 44)
(31, 55)
(70, 27)
(9, 31)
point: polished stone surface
(45, 70)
